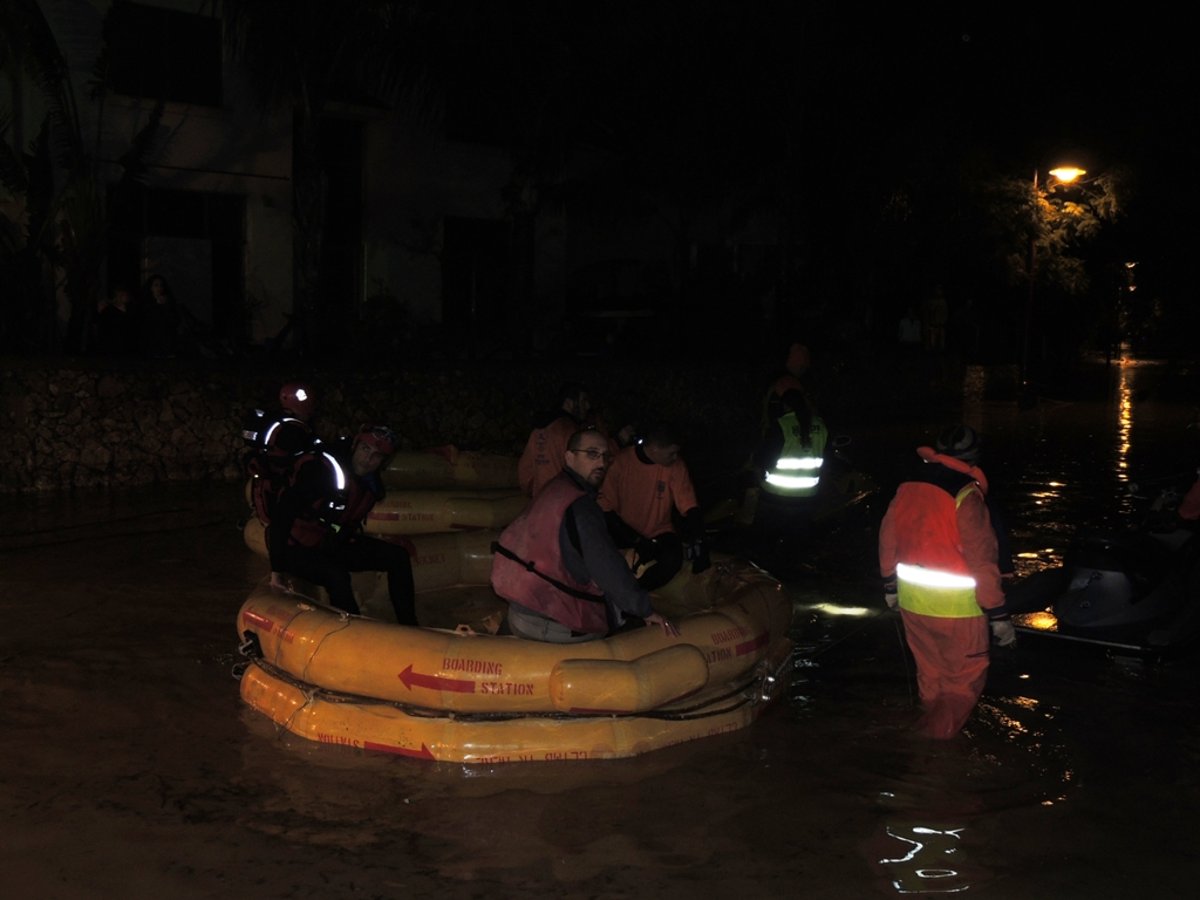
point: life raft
(441, 490)
(449, 467)
(459, 694)
(408, 511)
(446, 489)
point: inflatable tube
(328, 718)
(449, 467)
(438, 560)
(729, 618)
(405, 511)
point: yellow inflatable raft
(440, 490)
(408, 511)
(461, 694)
(450, 467)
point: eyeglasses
(593, 454)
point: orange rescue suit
(939, 522)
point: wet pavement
(129, 767)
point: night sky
(851, 92)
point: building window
(163, 54)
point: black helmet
(961, 442)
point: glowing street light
(1062, 175)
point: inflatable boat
(449, 467)
(441, 490)
(454, 690)
(1137, 591)
(430, 511)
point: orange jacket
(545, 454)
(644, 493)
(923, 527)
(1189, 507)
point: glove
(890, 595)
(645, 549)
(1003, 633)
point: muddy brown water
(130, 768)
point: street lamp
(1062, 175)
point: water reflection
(1124, 430)
(931, 861)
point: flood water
(130, 768)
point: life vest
(797, 471)
(344, 504)
(528, 566)
(274, 444)
(932, 575)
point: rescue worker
(963, 442)
(556, 565)
(793, 451)
(796, 365)
(647, 486)
(542, 457)
(275, 443)
(316, 530)
(938, 559)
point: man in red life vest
(543, 455)
(556, 565)
(316, 530)
(646, 488)
(938, 559)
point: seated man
(647, 486)
(555, 564)
(542, 457)
(276, 442)
(316, 528)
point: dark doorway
(476, 276)
(341, 291)
(196, 241)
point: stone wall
(123, 423)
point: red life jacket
(537, 578)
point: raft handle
(250, 647)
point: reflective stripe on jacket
(932, 575)
(345, 503)
(797, 471)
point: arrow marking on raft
(411, 679)
(423, 753)
(258, 619)
(750, 646)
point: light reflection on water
(1061, 725)
(1068, 464)
(931, 861)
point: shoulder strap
(497, 547)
